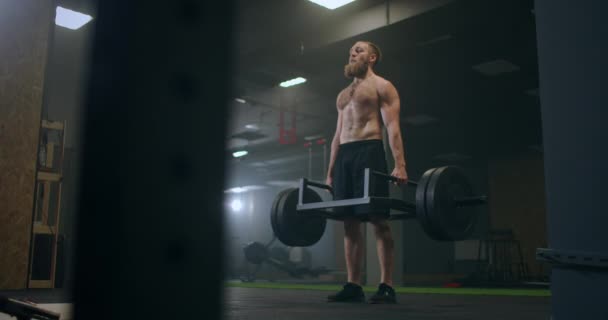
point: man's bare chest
(362, 95)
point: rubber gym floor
(287, 301)
(272, 300)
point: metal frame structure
(407, 209)
(369, 176)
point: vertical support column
(572, 55)
(25, 28)
(150, 222)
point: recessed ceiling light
(71, 19)
(292, 82)
(331, 4)
(239, 154)
(245, 189)
(235, 190)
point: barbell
(444, 206)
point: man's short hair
(375, 50)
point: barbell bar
(444, 206)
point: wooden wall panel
(25, 27)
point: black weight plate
(293, 228)
(449, 222)
(286, 214)
(255, 252)
(421, 214)
(300, 229)
(310, 227)
(274, 214)
(275, 203)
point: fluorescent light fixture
(239, 100)
(236, 205)
(245, 189)
(239, 154)
(236, 190)
(71, 19)
(331, 4)
(292, 82)
(252, 127)
(313, 137)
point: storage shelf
(41, 229)
(49, 176)
(47, 205)
(53, 125)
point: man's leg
(386, 250)
(353, 249)
(353, 254)
(371, 155)
(385, 245)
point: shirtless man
(367, 104)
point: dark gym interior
(153, 156)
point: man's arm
(390, 107)
(335, 143)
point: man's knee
(382, 228)
(352, 228)
(384, 235)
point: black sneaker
(350, 293)
(385, 294)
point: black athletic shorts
(348, 174)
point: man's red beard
(357, 69)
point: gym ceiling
(466, 72)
